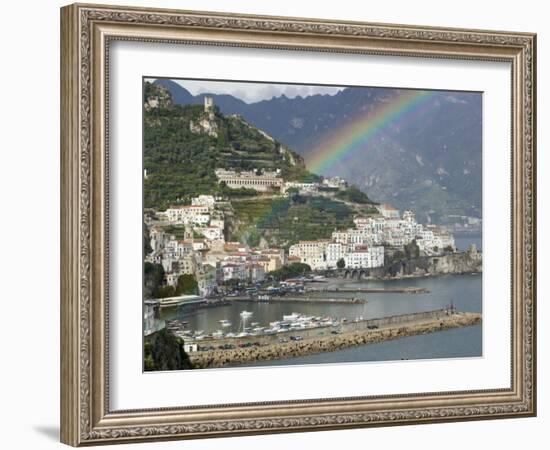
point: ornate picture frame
(86, 34)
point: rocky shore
(470, 261)
(331, 342)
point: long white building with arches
(263, 182)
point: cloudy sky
(254, 92)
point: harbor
(325, 338)
(336, 325)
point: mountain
(180, 95)
(185, 144)
(429, 162)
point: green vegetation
(181, 163)
(187, 285)
(236, 193)
(341, 263)
(392, 257)
(153, 275)
(290, 271)
(164, 351)
(146, 240)
(355, 195)
(284, 221)
(412, 250)
(177, 230)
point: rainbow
(360, 130)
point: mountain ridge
(430, 163)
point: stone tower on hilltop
(209, 107)
(207, 122)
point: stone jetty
(351, 335)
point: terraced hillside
(183, 146)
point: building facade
(263, 182)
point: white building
(188, 214)
(178, 249)
(263, 182)
(334, 252)
(204, 200)
(335, 182)
(312, 253)
(157, 236)
(341, 237)
(233, 271)
(218, 223)
(303, 188)
(171, 279)
(388, 211)
(365, 258)
(199, 244)
(211, 233)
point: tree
(164, 291)
(146, 241)
(354, 194)
(341, 263)
(292, 191)
(187, 284)
(293, 270)
(164, 351)
(412, 250)
(153, 276)
(449, 248)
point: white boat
(224, 323)
(291, 317)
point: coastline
(438, 321)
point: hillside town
(212, 260)
(205, 253)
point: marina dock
(404, 290)
(300, 299)
(222, 352)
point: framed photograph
(276, 224)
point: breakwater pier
(301, 299)
(230, 351)
(370, 290)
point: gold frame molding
(86, 31)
